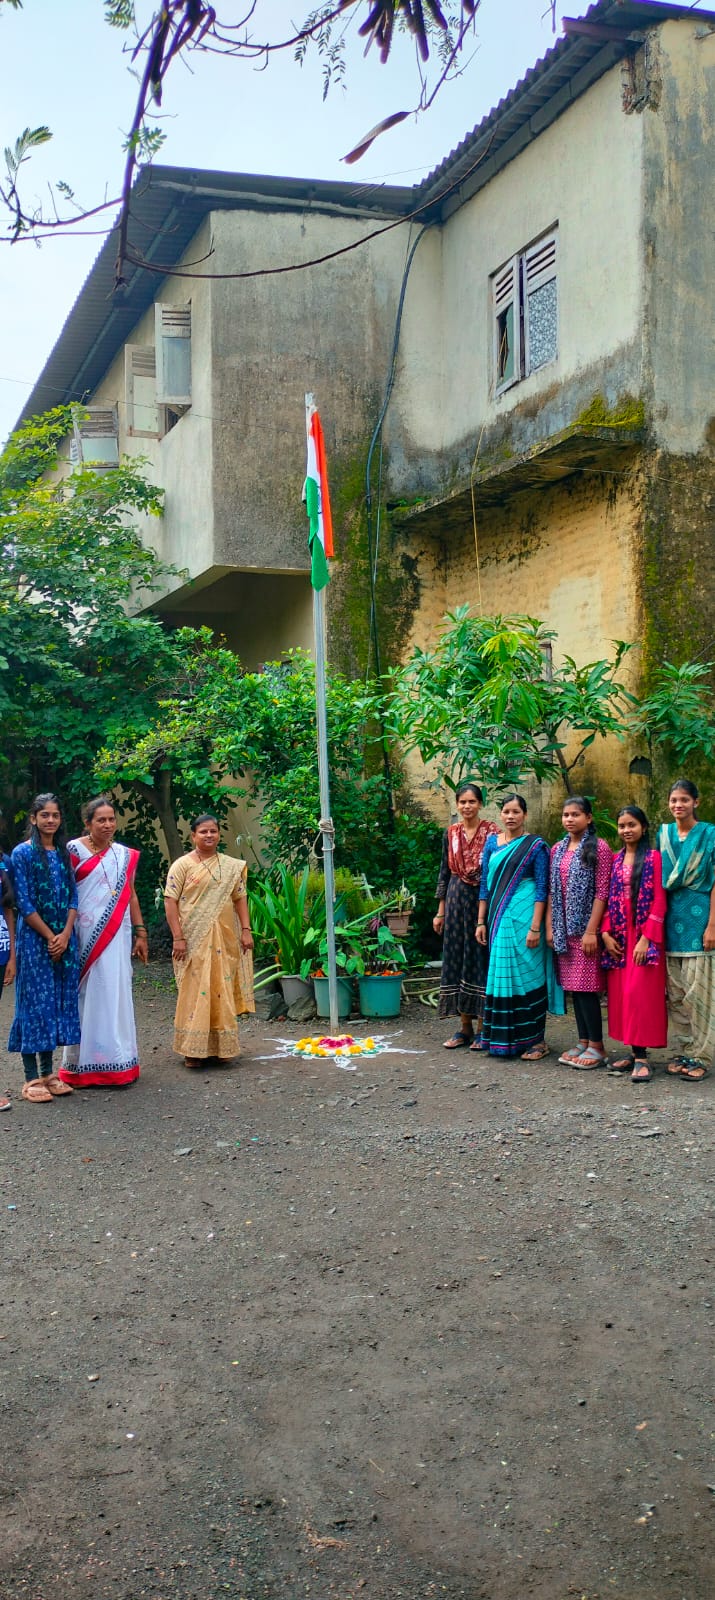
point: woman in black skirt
(464, 962)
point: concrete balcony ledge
(584, 448)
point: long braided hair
(589, 839)
(642, 848)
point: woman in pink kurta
(579, 883)
(633, 938)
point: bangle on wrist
(138, 927)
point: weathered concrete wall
(326, 329)
(678, 565)
(233, 466)
(180, 462)
(583, 173)
(569, 555)
(679, 236)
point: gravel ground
(437, 1327)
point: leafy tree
(258, 732)
(75, 658)
(258, 736)
(486, 700)
(677, 716)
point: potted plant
(368, 950)
(279, 917)
(397, 910)
(315, 966)
(380, 983)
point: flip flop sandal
(36, 1092)
(619, 1069)
(539, 1053)
(675, 1067)
(479, 1047)
(55, 1085)
(5, 1105)
(642, 1072)
(589, 1060)
(458, 1041)
(570, 1056)
(695, 1072)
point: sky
(61, 65)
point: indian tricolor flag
(317, 504)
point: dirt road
(438, 1327)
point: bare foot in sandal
(36, 1092)
(642, 1071)
(55, 1085)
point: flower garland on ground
(344, 1044)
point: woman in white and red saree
(110, 932)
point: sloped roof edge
(170, 203)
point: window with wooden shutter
(95, 437)
(541, 324)
(525, 312)
(173, 355)
(507, 325)
(140, 377)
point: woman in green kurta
(687, 847)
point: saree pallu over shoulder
(215, 980)
(107, 1055)
(516, 991)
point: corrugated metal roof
(169, 203)
(168, 206)
(558, 78)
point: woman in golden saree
(207, 912)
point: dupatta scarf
(690, 867)
(465, 855)
(617, 897)
(570, 913)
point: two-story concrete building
(525, 340)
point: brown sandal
(538, 1052)
(36, 1092)
(56, 1086)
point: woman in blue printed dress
(7, 940)
(47, 986)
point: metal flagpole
(326, 823)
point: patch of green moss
(397, 586)
(629, 412)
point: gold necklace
(212, 875)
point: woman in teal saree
(514, 892)
(687, 847)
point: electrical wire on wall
(373, 527)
